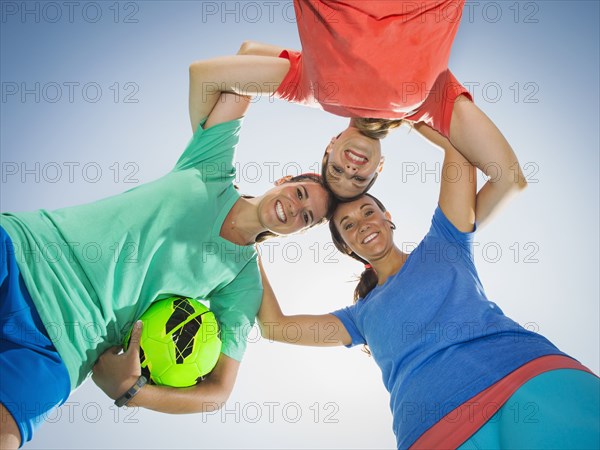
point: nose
(351, 168)
(363, 227)
(293, 209)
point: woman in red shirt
(380, 63)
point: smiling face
(292, 207)
(352, 161)
(364, 228)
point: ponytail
(366, 283)
(376, 128)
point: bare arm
(208, 395)
(324, 330)
(229, 107)
(243, 74)
(476, 137)
(459, 183)
(115, 373)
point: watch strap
(132, 392)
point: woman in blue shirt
(440, 343)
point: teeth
(369, 238)
(279, 211)
(355, 158)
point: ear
(282, 180)
(388, 216)
(380, 166)
(330, 146)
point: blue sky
(94, 102)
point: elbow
(519, 182)
(522, 184)
(512, 185)
(517, 186)
(214, 403)
(196, 67)
(247, 48)
(200, 70)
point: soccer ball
(180, 342)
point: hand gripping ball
(180, 342)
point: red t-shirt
(370, 58)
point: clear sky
(94, 102)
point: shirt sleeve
(348, 317)
(293, 88)
(236, 307)
(457, 240)
(212, 151)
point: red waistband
(461, 423)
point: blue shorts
(558, 409)
(33, 377)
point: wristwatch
(124, 399)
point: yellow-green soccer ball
(180, 342)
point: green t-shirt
(93, 269)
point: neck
(389, 264)
(242, 225)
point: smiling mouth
(369, 238)
(355, 158)
(280, 212)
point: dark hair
(313, 178)
(368, 278)
(376, 128)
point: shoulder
(212, 149)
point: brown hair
(376, 128)
(313, 178)
(368, 278)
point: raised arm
(458, 187)
(244, 74)
(476, 137)
(324, 330)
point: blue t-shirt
(435, 335)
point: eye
(348, 226)
(360, 179)
(299, 194)
(369, 212)
(306, 218)
(336, 169)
